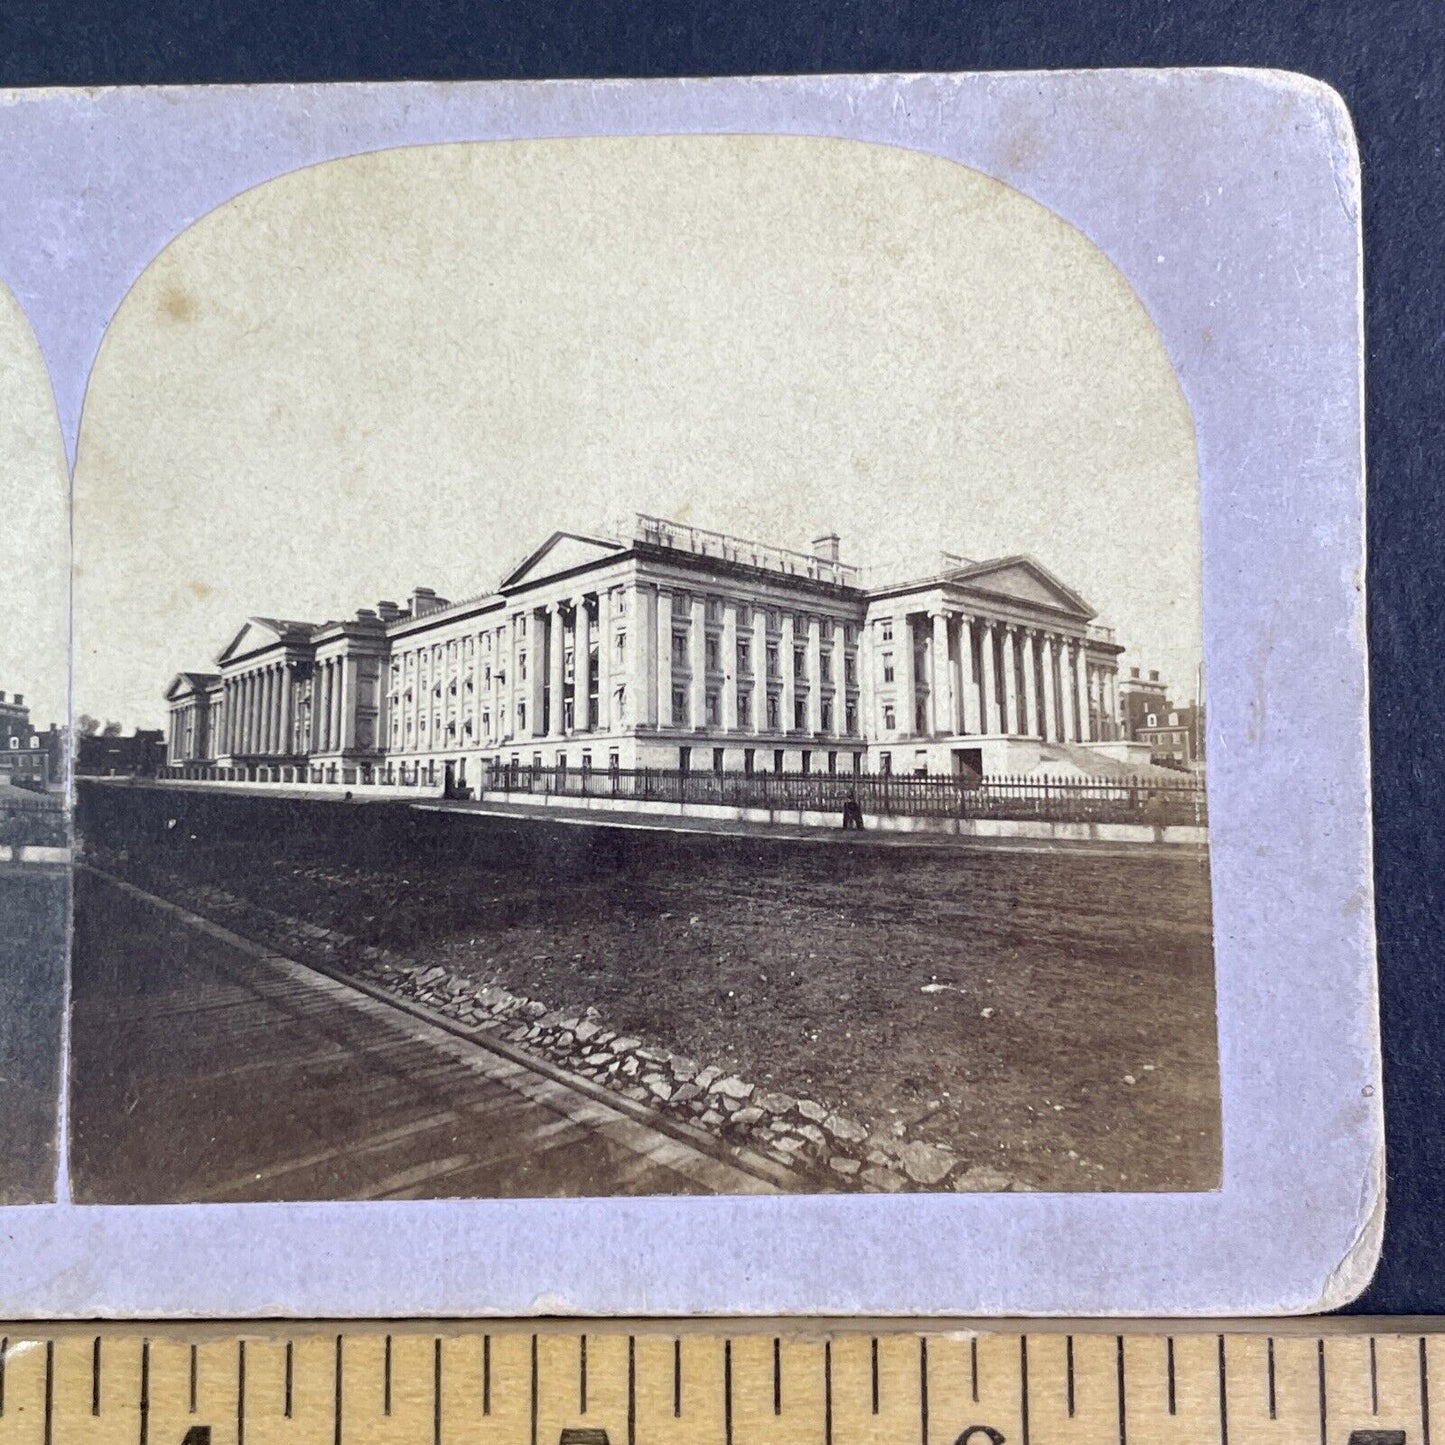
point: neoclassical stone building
(666, 645)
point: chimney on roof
(388, 611)
(2, 697)
(365, 614)
(1153, 674)
(424, 600)
(18, 700)
(826, 547)
(1133, 672)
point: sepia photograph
(663, 665)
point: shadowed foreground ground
(1048, 1015)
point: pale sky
(408, 368)
(34, 541)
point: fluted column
(941, 703)
(1066, 693)
(990, 681)
(272, 701)
(697, 662)
(729, 660)
(605, 603)
(1013, 725)
(1031, 697)
(662, 669)
(1086, 727)
(1050, 731)
(556, 647)
(907, 694)
(838, 672)
(815, 675)
(581, 664)
(787, 705)
(972, 710)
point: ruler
(654, 1383)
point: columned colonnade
(984, 676)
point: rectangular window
(679, 708)
(684, 759)
(850, 725)
(887, 667)
(832, 762)
(857, 763)
(614, 762)
(521, 667)
(586, 765)
(568, 664)
(777, 760)
(887, 629)
(717, 760)
(712, 654)
(749, 757)
(714, 710)
(800, 713)
(827, 711)
(825, 666)
(679, 648)
(850, 670)
(772, 659)
(772, 713)
(536, 762)
(619, 648)
(920, 761)
(521, 717)
(745, 652)
(800, 662)
(888, 716)
(745, 709)
(714, 609)
(885, 762)
(807, 761)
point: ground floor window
(832, 762)
(777, 760)
(807, 761)
(717, 760)
(684, 759)
(888, 716)
(920, 761)
(857, 763)
(614, 762)
(586, 765)
(749, 754)
(885, 763)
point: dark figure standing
(852, 812)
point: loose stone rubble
(804, 1134)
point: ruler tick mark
(95, 1376)
(336, 1400)
(1374, 1381)
(436, 1392)
(50, 1395)
(973, 1367)
(195, 1372)
(1169, 1371)
(875, 1374)
(534, 1390)
(1069, 1374)
(1424, 1392)
(676, 1378)
(777, 1376)
(4, 1348)
(631, 1390)
(1269, 1372)
(241, 1393)
(1320, 1369)
(582, 1374)
(728, 1392)
(1024, 1388)
(828, 1392)
(923, 1389)
(486, 1373)
(145, 1389)
(1223, 1395)
(289, 1369)
(386, 1377)
(1119, 1367)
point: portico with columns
(974, 668)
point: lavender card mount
(725, 696)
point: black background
(1384, 58)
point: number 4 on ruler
(197, 1435)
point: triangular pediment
(187, 684)
(1024, 580)
(561, 552)
(258, 634)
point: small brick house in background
(1175, 734)
(28, 757)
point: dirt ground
(1047, 1015)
